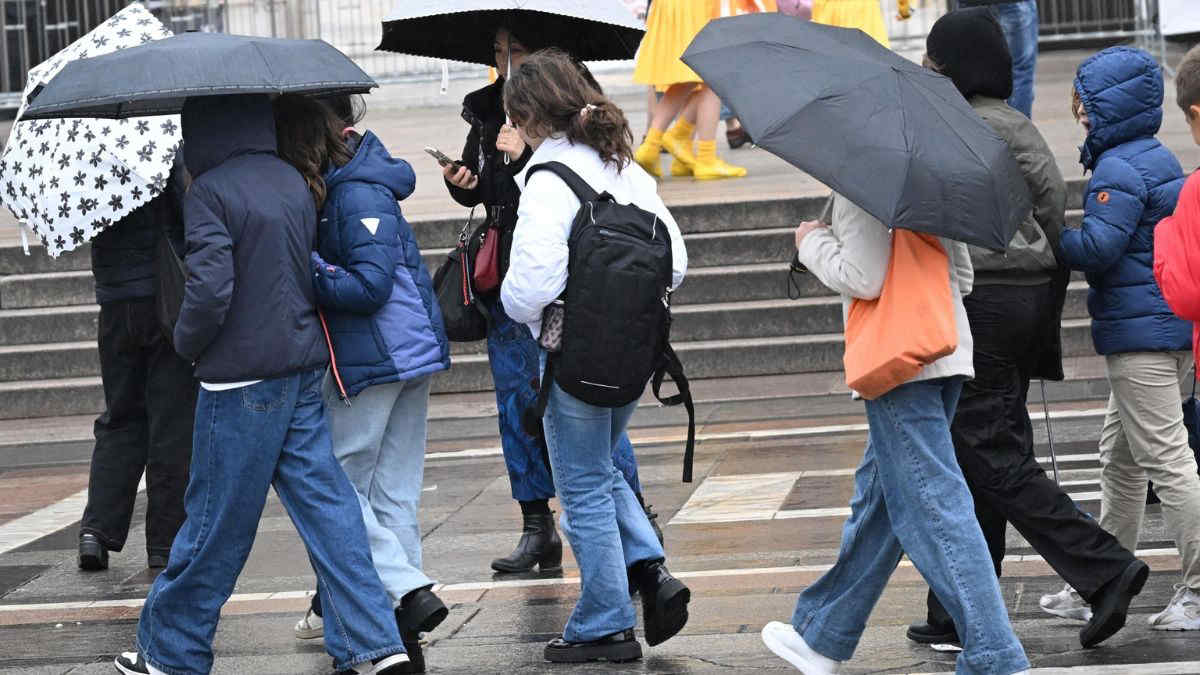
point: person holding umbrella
(1015, 311)
(492, 156)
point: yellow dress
(862, 14)
(671, 27)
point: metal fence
(33, 30)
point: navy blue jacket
(384, 321)
(1135, 183)
(249, 310)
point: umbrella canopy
(462, 30)
(893, 137)
(158, 77)
(68, 179)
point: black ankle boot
(653, 518)
(420, 611)
(664, 600)
(92, 554)
(416, 657)
(539, 546)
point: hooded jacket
(1177, 257)
(384, 322)
(1135, 183)
(249, 309)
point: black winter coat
(483, 109)
(249, 310)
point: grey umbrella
(896, 139)
(158, 77)
(462, 30)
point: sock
(706, 152)
(315, 604)
(537, 507)
(653, 139)
(681, 130)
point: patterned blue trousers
(513, 356)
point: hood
(372, 163)
(485, 103)
(1122, 92)
(218, 128)
(969, 47)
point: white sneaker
(787, 644)
(1182, 613)
(311, 626)
(1066, 603)
(381, 666)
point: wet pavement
(761, 522)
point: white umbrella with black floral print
(68, 179)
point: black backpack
(617, 318)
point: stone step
(49, 289)
(73, 323)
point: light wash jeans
(1144, 438)
(603, 521)
(380, 442)
(1019, 21)
(910, 498)
(245, 440)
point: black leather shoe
(653, 518)
(416, 657)
(618, 647)
(420, 611)
(92, 554)
(539, 546)
(927, 633)
(1110, 604)
(737, 138)
(664, 600)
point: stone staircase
(732, 318)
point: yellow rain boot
(710, 167)
(678, 142)
(647, 153)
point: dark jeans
(150, 402)
(993, 440)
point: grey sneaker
(1066, 603)
(1182, 613)
(310, 627)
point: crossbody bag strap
(671, 366)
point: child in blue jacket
(1135, 183)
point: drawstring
(445, 77)
(333, 367)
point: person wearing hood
(249, 324)
(493, 155)
(1015, 312)
(1019, 21)
(388, 340)
(1136, 181)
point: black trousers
(993, 439)
(150, 406)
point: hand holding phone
(439, 156)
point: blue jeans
(380, 442)
(602, 519)
(513, 357)
(910, 497)
(1019, 20)
(245, 440)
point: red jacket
(1177, 256)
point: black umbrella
(158, 77)
(462, 30)
(893, 137)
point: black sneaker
(92, 554)
(131, 663)
(927, 633)
(618, 648)
(387, 665)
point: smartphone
(439, 156)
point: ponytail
(550, 93)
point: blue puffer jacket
(1135, 183)
(384, 320)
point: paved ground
(760, 523)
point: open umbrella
(158, 77)
(462, 30)
(68, 179)
(896, 139)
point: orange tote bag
(911, 323)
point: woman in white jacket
(566, 120)
(910, 496)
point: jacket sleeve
(537, 270)
(851, 257)
(1048, 188)
(210, 279)
(470, 154)
(1111, 212)
(960, 257)
(369, 236)
(1176, 257)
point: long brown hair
(548, 94)
(309, 137)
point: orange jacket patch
(1102, 197)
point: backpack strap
(568, 176)
(532, 420)
(671, 366)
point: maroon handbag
(487, 261)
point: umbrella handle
(1049, 431)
